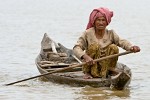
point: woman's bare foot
(87, 76)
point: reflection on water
(89, 93)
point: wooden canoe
(54, 56)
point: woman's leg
(100, 69)
(92, 69)
(108, 63)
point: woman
(97, 41)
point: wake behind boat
(55, 57)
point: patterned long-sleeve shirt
(88, 37)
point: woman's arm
(123, 43)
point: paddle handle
(70, 67)
(112, 56)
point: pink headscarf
(98, 13)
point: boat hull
(74, 77)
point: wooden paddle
(70, 67)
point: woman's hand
(88, 59)
(135, 49)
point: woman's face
(100, 23)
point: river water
(23, 24)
